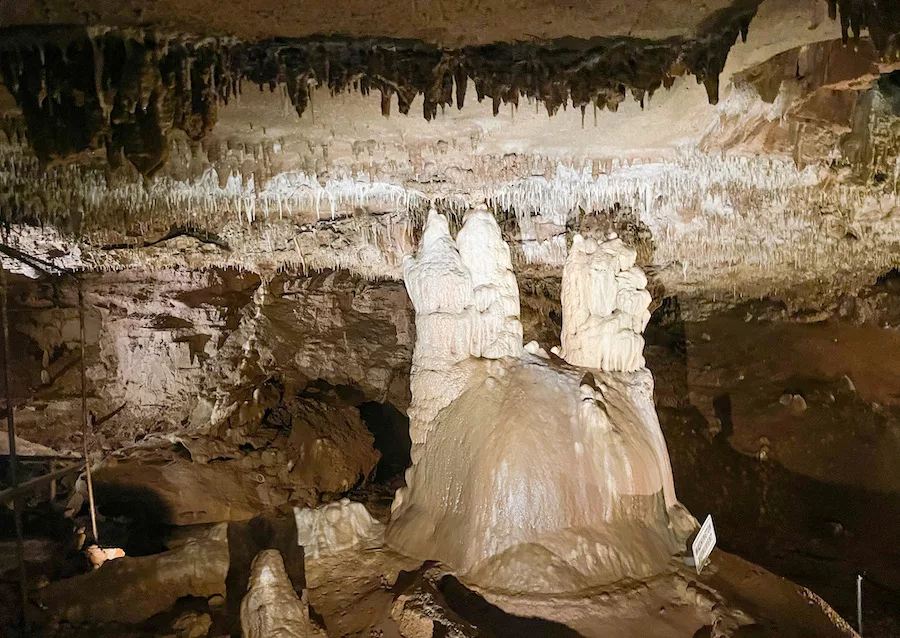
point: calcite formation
(335, 527)
(604, 306)
(529, 474)
(126, 90)
(467, 306)
(271, 607)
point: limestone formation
(335, 527)
(530, 475)
(605, 306)
(271, 255)
(271, 607)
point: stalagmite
(335, 527)
(498, 332)
(529, 475)
(605, 306)
(271, 608)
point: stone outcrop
(271, 607)
(132, 589)
(532, 474)
(195, 352)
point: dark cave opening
(390, 427)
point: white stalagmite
(271, 607)
(498, 332)
(335, 527)
(441, 291)
(604, 305)
(530, 475)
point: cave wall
(188, 351)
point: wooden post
(85, 426)
(13, 459)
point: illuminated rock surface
(336, 527)
(531, 475)
(239, 188)
(271, 607)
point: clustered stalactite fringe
(125, 90)
(714, 222)
(880, 17)
(122, 91)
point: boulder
(132, 589)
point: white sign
(704, 543)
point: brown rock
(132, 589)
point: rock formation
(529, 474)
(238, 192)
(132, 589)
(335, 527)
(604, 306)
(271, 607)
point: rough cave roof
(178, 134)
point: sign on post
(704, 543)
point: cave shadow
(477, 611)
(390, 427)
(723, 411)
(134, 517)
(816, 533)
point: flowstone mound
(533, 474)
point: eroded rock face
(271, 606)
(198, 352)
(529, 474)
(604, 306)
(132, 589)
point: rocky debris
(421, 611)
(763, 453)
(331, 447)
(132, 589)
(271, 607)
(798, 405)
(336, 527)
(192, 625)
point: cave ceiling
(746, 148)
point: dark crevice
(390, 427)
(204, 237)
(479, 612)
